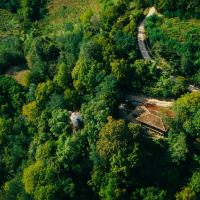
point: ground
(61, 12)
(18, 74)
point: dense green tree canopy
(64, 60)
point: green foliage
(186, 194)
(87, 74)
(31, 111)
(37, 179)
(192, 190)
(59, 123)
(181, 8)
(194, 183)
(56, 101)
(176, 41)
(112, 10)
(11, 96)
(62, 77)
(10, 53)
(150, 193)
(117, 156)
(96, 111)
(11, 5)
(13, 190)
(120, 69)
(178, 147)
(32, 9)
(41, 55)
(87, 66)
(4, 129)
(43, 92)
(169, 87)
(73, 100)
(144, 74)
(187, 114)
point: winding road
(142, 36)
(143, 49)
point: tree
(43, 92)
(14, 190)
(181, 8)
(31, 112)
(167, 87)
(87, 74)
(111, 11)
(11, 5)
(187, 114)
(73, 100)
(56, 101)
(11, 96)
(149, 193)
(59, 122)
(111, 138)
(124, 43)
(45, 151)
(5, 129)
(96, 111)
(192, 190)
(194, 183)
(40, 180)
(178, 147)
(62, 77)
(120, 69)
(186, 194)
(116, 159)
(32, 9)
(144, 73)
(11, 53)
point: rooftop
(76, 119)
(152, 120)
(153, 116)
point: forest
(59, 57)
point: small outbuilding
(153, 122)
(76, 119)
(153, 118)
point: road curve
(142, 36)
(143, 49)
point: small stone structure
(76, 119)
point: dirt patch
(149, 100)
(18, 74)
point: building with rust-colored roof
(153, 117)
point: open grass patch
(62, 12)
(9, 24)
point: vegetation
(181, 8)
(83, 56)
(174, 42)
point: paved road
(142, 36)
(143, 49)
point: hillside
(176, 41)
(94, 100)
(63, 12)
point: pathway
(143, 49)
(142, 36)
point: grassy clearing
(19, 74)
(75, 7)
(10, 28)
(61, 12)
(9, 24)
